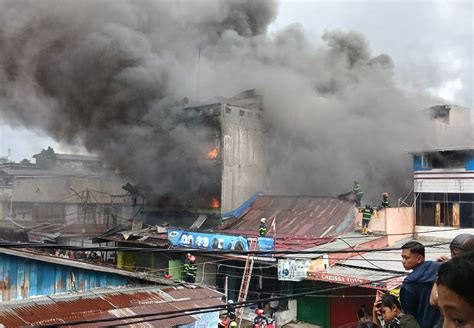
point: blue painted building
(444, 186)
(25, 274)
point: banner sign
(293, 269)
(266, 244)
(203, 240)
(296, 269)
(196, 239)
(347, 280)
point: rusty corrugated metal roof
(298, 216)
(109, 304)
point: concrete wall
(54, 189)
(284, 317)
(244, 163)
(439, 233)
(397, 222)
(447, 185)
(5, 197)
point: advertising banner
(266, 244)
(293, 269)
(196, 239)
(351, 280)
(203, 240)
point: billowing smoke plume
(110, 75)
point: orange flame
(215, 203)
(213, 153)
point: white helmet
(263, 220)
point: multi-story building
(235, 149)
(48, 159)
(444, 186)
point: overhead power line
(192, 311)
(203, 251)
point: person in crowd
(190, 268)
(273, 305)
(363, 314)
(392, 313)
(460, 244)
(260, 295)
(416, 288)
(260, 319)
(456, 291)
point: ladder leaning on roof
(247, 276)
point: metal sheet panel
(297, 217)
(22, 278)
(106, 304)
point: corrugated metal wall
(22, 278)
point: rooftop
(109, 303)
(370, 266)
(297, 216)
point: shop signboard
(215, 241)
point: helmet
(259, 312)
(230, 301)
(263, 220)
(233, 324)
(188, 255)
(385, 194)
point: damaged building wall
(62, 199)
(235, 166)
(244, 162)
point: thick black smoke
(109, 75)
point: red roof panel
(295, 216)
(110, 305)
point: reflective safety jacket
(190, 269)
(367, 214)
(262, 231)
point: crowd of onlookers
(435, 294)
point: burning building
(235, 156)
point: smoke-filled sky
(342, 82)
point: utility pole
(85, 205)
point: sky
(430, 42)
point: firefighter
(262, 231)
(357, 191)
(385, 202)
(190, 268)
(366, 217)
